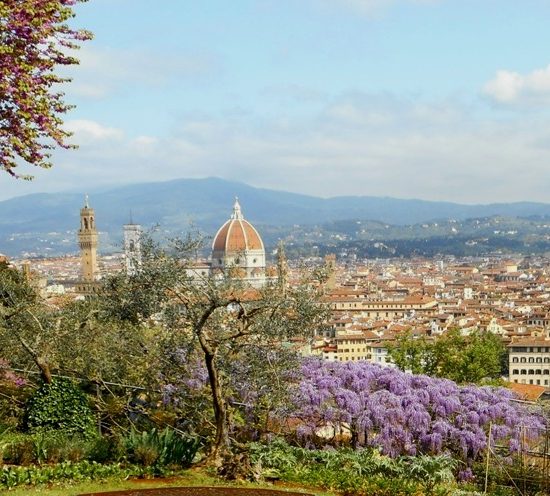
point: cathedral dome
(236, 236)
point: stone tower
(330, 267)
(282, 266)
(132, 247)
(87, 239)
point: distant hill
(205, 203)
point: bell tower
(132, 247)
(87, 240)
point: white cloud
(358, 144)
(87, 132)
(508, 87)
(103, 71)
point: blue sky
(433, 99)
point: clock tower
(87, 240)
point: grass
(192, 477)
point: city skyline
(437, 100)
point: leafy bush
(107, 449)
(159, 449)
(363, 471)
(60, 406)
(67, 471)
(17, 449)
(43, 447)
(430, 471)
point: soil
(199, 491)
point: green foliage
(476, 358)
(430, 471)
(14, 289)
(362, 471)
(160, 449)
(107, 449)
(504, 478)
(67, 471)
(215, 319)
(46, 447)
(60, 406)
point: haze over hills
(206, 203)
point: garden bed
(199, 491)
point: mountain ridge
(206, 203)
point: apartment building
(529, 361)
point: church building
(238, 250)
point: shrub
(43, 447)
(107, 449)
(362, 471)
(67, 471)
(158, 449)
(18, 449)
(60, 406)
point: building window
(523, 372)
(515, 360)
(522, 359)
(515, 371)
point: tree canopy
(217, 320)
(479, 357)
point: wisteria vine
(405, 414)
(368, 405)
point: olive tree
(220, 316)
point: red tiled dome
(237, 235)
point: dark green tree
(79, 339)
(477, 357)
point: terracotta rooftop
(527, 392)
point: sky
(432, 99)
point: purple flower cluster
(34, 36)
(10, 377)
(406, 414)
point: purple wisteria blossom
(406, 414)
